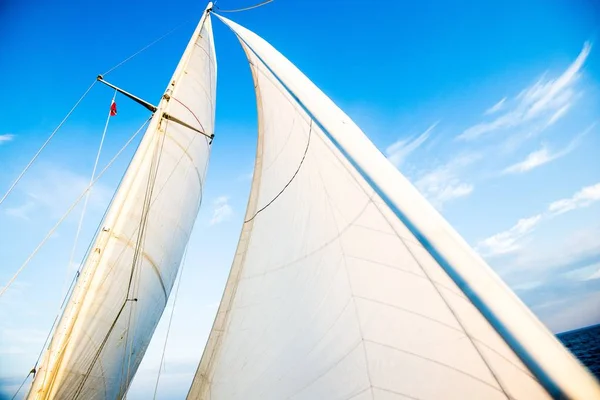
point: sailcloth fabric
(344, 283)
(129, 272)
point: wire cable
(10, 189)
(245, 8)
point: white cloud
(546, 99)
(583, 198)
(23, 211)
(496, 107)
(443, 183)
(533, 160)
(54, 189)
(222, 210)
(543, 155)
(507, 241)
(558, 114)
(400, 149)
(7, 137)
(595, 275)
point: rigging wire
(162, 358)
(146, 47)
(60, 221)
(245, 8)
(87, 196)
(10, 189)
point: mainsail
(128, 274)
(348, 284)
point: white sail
(347, 284)
(128, 275)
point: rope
(291, 179)
(141, 239)
(87, 196)
(162, 358)
(145, 48)
(55, 227)
(246, 8)
(10, 189)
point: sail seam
(341, 244)
(450, 308)
(499, 389)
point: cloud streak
(5, 138)
(399, 150)
(508, 241)
(543, 156)
(546, 99)
(583, 198)
(443, 183)
(496, 107)
(222, 210)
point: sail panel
(330, 299)
(128, 275)
(332, 294)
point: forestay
(337, 289)
(128, 275)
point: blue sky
(491, 108)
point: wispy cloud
(399, 150)
(507, 241)
(23, 211)
(7, 137)
(444, 183)
(547, 100)
(53, 189)
(222, 210)
(544, 155)
(583, 198)
(496, 107)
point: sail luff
(515, 323)
(150, 225)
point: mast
(368, 293)
(126, 278)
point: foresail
(128, 275)
(344, 283)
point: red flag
(113, 109)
